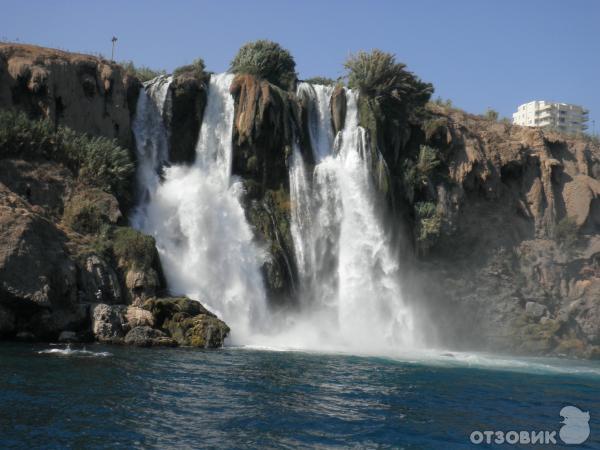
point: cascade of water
(151, 137)
(350, 274)
(204, 241)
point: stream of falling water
(351, 298)
(203, 239)
(351, 291)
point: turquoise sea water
(118, 397)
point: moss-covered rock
(187, 322)
(262, 134)
(270, 218)
(88, 210)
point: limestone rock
(41, 183)
(187, 322)
(86, 93)
(338, 108)
(99, 281)
(142, 284)
(188, 100)
(145, 336)
(108, 322)
(139, 317)
(35, 268)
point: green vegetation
(377, 74)
(416, 174)
(428, 222)
(266, 60)
(196, 69)
(89, 210)
(96, 161)
(143, 73)
(490, 114)
(321, 80)
(132, 248)
(86, 218)
(566, 233)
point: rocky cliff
(70, 268)
(83, 92)
(499, 224)
(512, 260)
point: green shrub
(490, 114)
(142, 73)
(133, 249)
(566, 233)
(89, 209)
(321, 80)
(85, 219)
(267, 60)
(427, 161)
(20, 136)
(197, 69)
(378, 74)
(96, 161)
(428, 224)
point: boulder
(35, 269)
(141, 284)
(145, 336)
(187, 322)
(138, 317)
(108, 322)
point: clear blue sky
(479, 53)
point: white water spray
(351, 277)
(205, 244)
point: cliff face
(500, 224)
(70, 269)
(264, 123)
(85, 93)
(515, 264)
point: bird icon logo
(576, 428)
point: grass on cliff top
(267, 60)
(142, 73)
(197, 69)
(96, 161)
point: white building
(561, 116)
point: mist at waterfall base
(349, 291)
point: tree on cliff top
(267, 60)
(378, 75)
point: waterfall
(204, 241)
(350, 275)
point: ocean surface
(118, 397)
